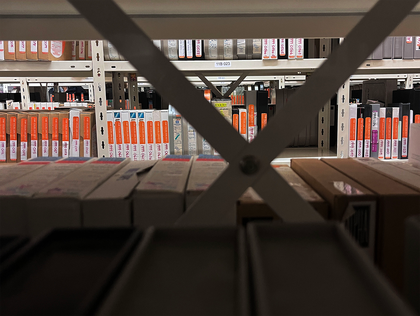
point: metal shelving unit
(355, 20)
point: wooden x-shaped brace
(249, 163)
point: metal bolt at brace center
(249, 165)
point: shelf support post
(24, 93)
(100, 98)
(343, 102)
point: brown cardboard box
(44, 142)
(20, 50)
(87, 130)
(3, 139)
(9, 50)
(43, 50)
(33, 134)
(11, 137)
(54, 131)
(22, 131)
(81, 50)
(252, 207)
(349, 201)
(64, 134)
(60, 50)
(395, 203)
(405, 177)
(32, 50)
(89, 50)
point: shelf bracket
(409, 81)
(216, 91)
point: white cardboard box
(111, 138)
(74, 122)
(204, 171)
(395, 127)
(151, 148)
(134, 136)
(159, 199)
(352, 130)
(158, 134)
(111, 203)
(165, 132)
(118, 138)
(59, 203)
(125, 117)
(12, 219)
(414, 145)
(141, 120)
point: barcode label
(13, 150)
(34, 148)
(55, 148)
(86, 151)
(111, 150)
(23, 151)
(44, 148)
(65, 149)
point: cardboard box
(11, 138)
(382, 115)
(20, 47)
(350, 203)
(64, 134)
(89, 50)
(160, 198)
(204, 171)
(88, 130)
(12, 219)
(59, 203)
(33, 134)
(406, 166)
(405, 177)
(3, 137)
(54, 134)
(414, 145)
(150, 140)
(111, 203)
(60, 50)
(32, 50)
(75, 127)
(125, 118)
(81, 50)
(9, 50)
(110, 128)
(43, 50)
(251, 206)
(118, 134)
(395, 203)
(44, 141)
(22, 139)
(15, 195)
(134, 136)
(164, 116)
(158, 134)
